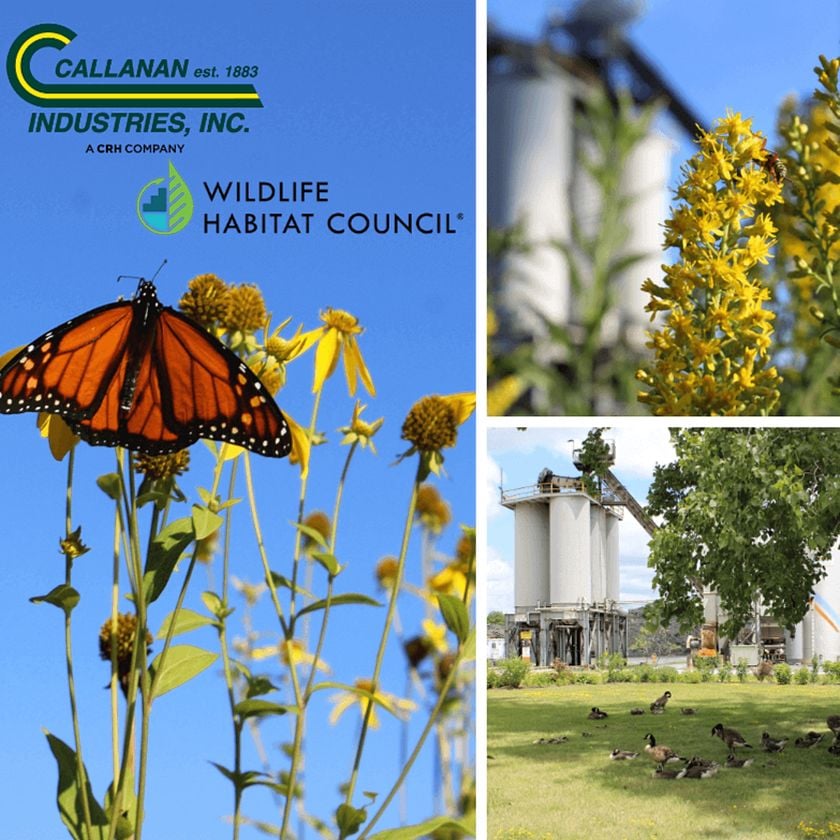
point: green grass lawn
(574, 790)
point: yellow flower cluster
(711, 344)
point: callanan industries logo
(75, 91)
(165, 205)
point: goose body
(637, 711)
(833, 722)
(658, 753)
(808, 741)
(661, 701)
(834, 749)
(731, 761)
(622, 755)
(698, 771)
(665, 774)
(772, 744)
(596, 714)
(731, 737)
(657, 710)
(688, 711)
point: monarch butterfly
(141, 375)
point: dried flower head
(386, 571)
(206, 300)
(432, 511)
(162, 466)
(318, 521)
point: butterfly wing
(67, 370)
(189, 386)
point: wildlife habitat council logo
(165, 205)
(78, 94)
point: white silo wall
(571, 579)
(529, 152)
(598, 553)
(808, 635)
(644, 182)
(530, 582)
(613, 580)
(826, 606)
(795, 643)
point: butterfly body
(141, 375)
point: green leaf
(350, 819)
(180, 204)
(167, 548)
(259, 708)
(69, 795)
(339, 600)
(244, 778)
(62, 596)
(182, 663)
(282, 580)
(468, 649)
(316, 536)
(258, 684)
(187, 620)
(455, 615)
(205, 522)
(109, 484)
(328, 561)
(427, 828)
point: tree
(496, 617)
(749, 513)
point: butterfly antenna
(154, 277)
(135, 277)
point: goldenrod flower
(432, 511)
(712, 345)
(432, 425)
(246, 312)
(360, 431)
(162, 466)
(206, 300)
(335, 339)
(390, 702)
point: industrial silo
(529, 164)
(612, 558)
(826, 611)
(569, 528)
(795, 643)
(598, 553)
(531, 555)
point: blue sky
(746, 56)
(377, 99)
(515, 459)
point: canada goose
(705, 763)
(687, 710)
(657, 710)
(773, 744)
(637, 711)
(561, 740)
(698, 771)
(809, 740)
(660, 754)
(731, 761)
(621, 755)
(596, 714)
(661, 701)
(833, 722)
(731, 737)
(834, 749)
(665, 774)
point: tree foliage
(749, 513)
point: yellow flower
(432, 425)
(162, 466)
(335, 339)
(72, 546)
(60, 436)
(206, 300)
(250, 591)
(386, 572)
(432, 511)
(360, 431)
(362, 694)
(301, 446)
(435, 635)
(246, 312)
(450, 580)
(319, 522)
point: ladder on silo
(625, 497)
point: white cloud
(491, 488)
(499, 577)
(639, 450)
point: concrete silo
(825, 612)
(531, 553)
(571, 577)
(612, 559)
(598, 553)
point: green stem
(81, 776)
(389, 618)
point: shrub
(623, 675)
(724, 672)
(782, 673)
(587, 678)
(832, 671)
(512, 672)
(803, 676)
(706, 666)
(690, 677)
(540, 679)
(666, 674)
(742, 670)
(647, 673)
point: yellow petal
(300, 446)
(463, 405)
(326, 358)
(364, 373)
(61, 437)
